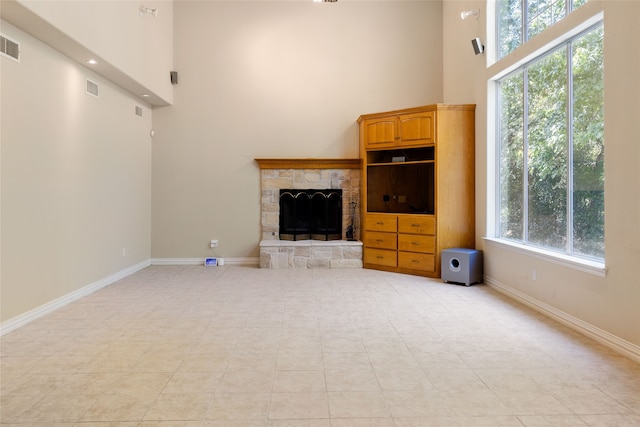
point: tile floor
(232, 346)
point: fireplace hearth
(310, 214)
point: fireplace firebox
(310, 214)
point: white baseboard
(615, 343)
(238, 261)
(51, 306)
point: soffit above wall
(27, 21)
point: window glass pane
(518, 19)
(512, 157)
(543, 13)
(588, 144)
(578, 3)
(547, 151)
(509, 26)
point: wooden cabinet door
(417, 128)
(380, 133)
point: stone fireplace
(309, 174)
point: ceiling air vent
(138, 111)
(92, 88)
(9, 48)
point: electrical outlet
(214, 243)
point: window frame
(583, 19)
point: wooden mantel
(308, 163)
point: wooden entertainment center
(418, 191)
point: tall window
(551, 149)
(520, 20)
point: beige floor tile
(299, 423)
(192, 382)
(455, 379)
(14, 405)
(213, 361)
(337, 361)
(303, 381)
(239, 406)
(404, 404)
(489, 421)
(617, 420)
(479, 403)
(299, 360)
(168, 424)
(183, 407)
(426, 422)
(247, 380)
(114, 407)
(362, 422)
(57, 408)
(351, 380)
(358, 404)
(139, 383)
(403, 379)
(589, 401)
(552, 421)
(298, 406)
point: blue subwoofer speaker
(461, 266)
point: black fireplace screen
(310, 214)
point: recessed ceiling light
(91, 61)
(145, 95)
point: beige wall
(609, 304)
(76, 178)
(275, 79)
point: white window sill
(591, 267)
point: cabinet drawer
(375, 239)
(387, 223)
(417, 261)
(417, 224)
(380, 257)
(417, 243)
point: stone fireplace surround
(308, 174)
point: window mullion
(525, 155)
(569, 247)
(525, 20)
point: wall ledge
(309, 163)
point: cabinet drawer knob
(379, 240)
(379, 223)
(415, 243)
(380, 257)
(415, 225)
(415, 261)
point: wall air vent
(92, 88)
(138, 111)
(9, 48)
